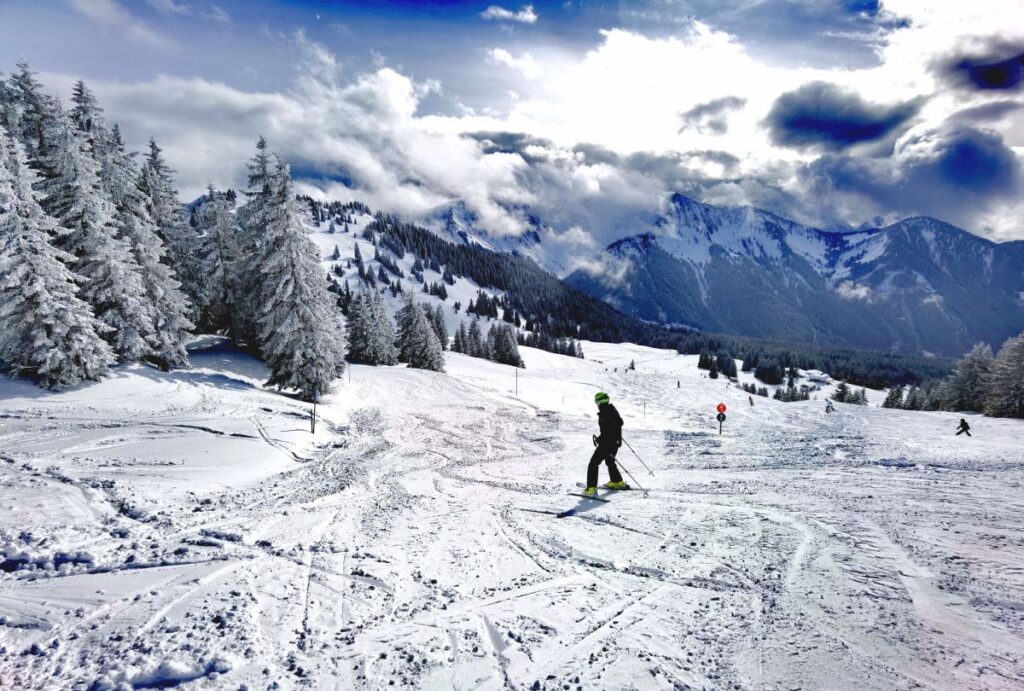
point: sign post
(721, 416)
(312, 415)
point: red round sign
(721, 407)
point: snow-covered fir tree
(965, 389)
(168, 308)
(28, 112)
(371, 336)
(217, 255)
(249, 237)
(506, 350)
(300, 331)
(46, 331)
(474, 342)
(1005, 397)
(417, 342)
(915, 400)
(894, 398)
(166, 209)
(112, 279)
(437, 322)
(842, 393)
(459, 341)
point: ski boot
(617, 485)
(589, 492)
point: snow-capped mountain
(919, 285)
(458, 223)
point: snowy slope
(187, 526)
(463, 291)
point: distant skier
(964, 428)
(751, 399)
(829, 408)
(607, 443)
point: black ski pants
(963, 431)
(603, 454)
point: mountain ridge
(917, 285)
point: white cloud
(217, 14)
(525, 15)
(214, 13)
(170, 7)
(110, 15)
(848, 290)
(525, 63)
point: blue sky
(834, 112)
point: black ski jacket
(611, 426)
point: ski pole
(638, 457)
(632, 478)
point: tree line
(980, 382)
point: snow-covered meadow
(187, 527)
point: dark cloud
(594, 154)
(822, 115)
(954, 173)
(498, 142)
(997, 66)
(711, 116)
(987, 112)
(722, 158)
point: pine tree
(475, 340)
(157, 183)
(966, 387)
(506, 350)
(417, 343)
(440, 329)
(250, 234)
(31, 114)
(489, 344)
(915, 399)
(45, 329)
(168, 308)
(1005, 396)
(301, 336)
(371, 335)
(87, 117)
(842, 393)
(112, 279)
(893, 399)
(459, 342)
(215, 291)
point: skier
(607, 443)
(964, 428)
(829, 408)
(751, 399)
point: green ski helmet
(601, 397)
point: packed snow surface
(187, 529)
